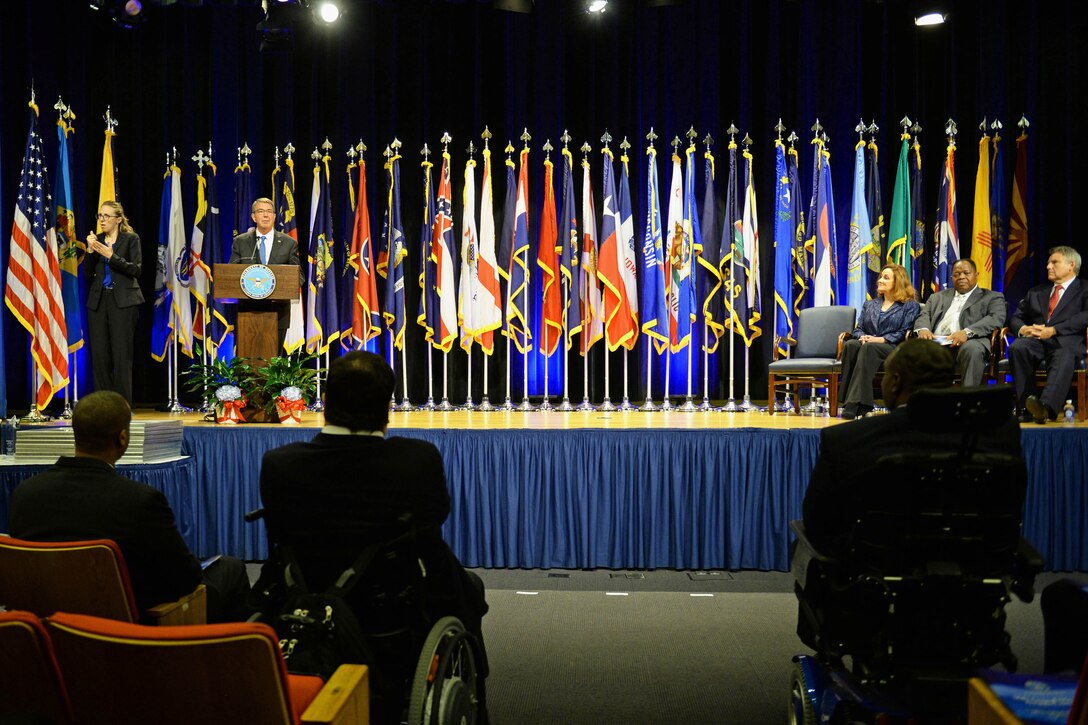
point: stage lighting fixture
(327, 12)
(596, 6)
(929, 19)
(126, 13)
(514, 6)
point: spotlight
(126, 13)
(596, 6)
(327, 11)
(929, 19)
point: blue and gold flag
(784, 322)
(654, 304)
(517, 292)
(710, 256)
(801, 263)
(999, 216)
(917, 215)
(69, 247)
(568, 254)
(322, 325)
(874, 202)
(396, 251)
(429, 307)
(860, 236)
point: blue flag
(568, 257)
(393, 311)
(243, 195)
(874, 202)
(918, 215)
(800, 254)
(653, 305)
(946, 242)
(160, 325)
(218, 335)
(860, 236)
(784, 322)
(517, 291)
(69, 249)
(710, 253)
(322, 326)
(733, 270)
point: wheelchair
(910, 601)
(424, 671)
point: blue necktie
(264, 254)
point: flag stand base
(748, 406)
(688, 406)
(34, 416)
(625, 405)
(525, 406)
(606, 405)
(405, 407)
(429, 405)
(586, 406)
(666, 405)
(486, 406)
(445, 406)
(706, 407)
(546, 405)
(508, 405)
(565, 406)
(730, 406)
(176, 407)
(649, 407)
(67, 412)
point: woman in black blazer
(113, 299)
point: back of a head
(357, 392)
(97, 419)
(922, 364)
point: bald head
(100, 425)
(913, 365)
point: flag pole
(583, 285)
(565, 406)
(546, 404)
(525, 406)
(746, 405)
(649, 406)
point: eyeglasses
(264, 211)
(109, 216)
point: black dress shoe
(864, 410)
(1025, 417)
(1039, 412)
(850, 411)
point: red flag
(547, 258)
(365, 315)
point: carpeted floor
(599, 647)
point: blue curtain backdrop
(193, 74)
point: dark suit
(846, 464)
(982, 313)
(284, 250)
(85, 498)
(1061, 352)
(860, 363)
(330, 497)
(112, 313)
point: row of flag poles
(690, 269)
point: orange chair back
(31, 686)
(89, 577)
(131, 674)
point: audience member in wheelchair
(911, 537)
(848, 461)
(350, 487)
(884, 323)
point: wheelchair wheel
(444, 687)
(802, 711)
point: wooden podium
(257, 332)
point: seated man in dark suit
(1049, 324)
(83, 497)
(351, 486)
(965, 317)
(849, 452)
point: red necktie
(1054, 296)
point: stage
(585, 490)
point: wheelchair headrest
(961, 410)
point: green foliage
(207, 378)
(260, 380)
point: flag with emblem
(981, 234)
(442, 257)
(917, 215)
(489, 304)
(860, 236)
(468, 282)
(800, 255)
(946, 242)
(161, 329)
(900, 225)
(396, 251)
(1018, 245)
(365, 314)
(517, 292)
(430, 309)
(999, 216)
(826, 275)
(207, 234)
(784, 319)
(568, 256)
(547, 258)
(322, 328)
(178, 265)
(283, 185)
(588, 289)
(621, 325)
(69, 247)
(243, 193)
(709, 256)
(654, 303)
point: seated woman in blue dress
(884, 323)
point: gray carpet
(573, 653)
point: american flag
(33, 282)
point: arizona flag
(547, 258)
(69, 248)
(621, 325)
(489, 304)
(981, 238)
(946, 247)
(33, 291)
(365, 314)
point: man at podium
(264, 245)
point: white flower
(291, 393)
(228, 392)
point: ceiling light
(596, 6)
(328, 12)
(929, 19)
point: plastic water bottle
(1068, 415)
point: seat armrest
(843, 337)
(190, 609)
(344, 700)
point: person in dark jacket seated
(351, 486)
(83, 497)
